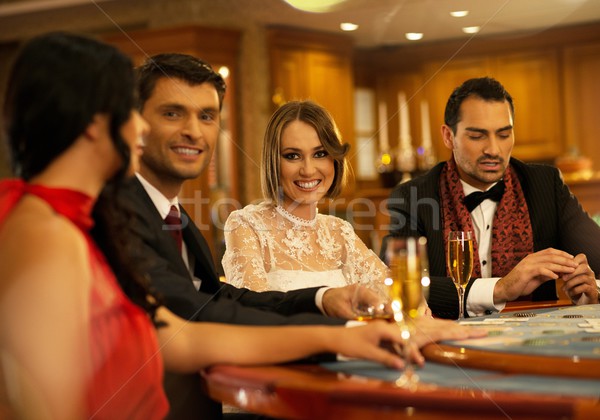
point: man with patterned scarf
(529, 229)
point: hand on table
(580, 285)
(430, 330)
(532, 271)
(365, 341)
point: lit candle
(404, 123)
(384, 142)
(426, 129)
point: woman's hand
(372, 341)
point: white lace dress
(267, 248)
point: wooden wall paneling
(532, 80)
(331, 85)
(582, 99)
(441, 78)
(316, 66)
(289, 78)
(559, 106)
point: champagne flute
(406, 258)
(460, 264)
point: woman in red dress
(81, 333)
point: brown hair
(320, 119)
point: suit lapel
(204, 267)
(196, 245)
(161, 240)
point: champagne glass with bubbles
(407, 261)
(459, 261)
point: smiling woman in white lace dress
(284, 243)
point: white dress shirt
(481, 294)
(163, 205)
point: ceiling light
(459, 13)
(471, 29)
(347, 26)
(315, 6)
(413, 36)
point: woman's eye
(321, 154)
(290, 156)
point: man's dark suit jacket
(214, 302)
(557, 219)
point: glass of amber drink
(407, 262)
(370, 301)
(459, 260)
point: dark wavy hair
(485, 88)
(58, 82)
(180, 66)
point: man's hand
(580, 285)
(337, 302)
(532, 271)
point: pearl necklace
(295, 219)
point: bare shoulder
(37, 242)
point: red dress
(126, 381)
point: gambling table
(534, 364)
(561, 341)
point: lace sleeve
(243, 261)
(362, 264)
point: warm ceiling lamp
(471, 29)
(459, 13)
(316, 6)
(413, 36)
(347, 26)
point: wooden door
(532, 80)
(441, 78)
(582, 99)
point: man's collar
(162, 203)
(468, 188)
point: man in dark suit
(529, 229)
(181, 97)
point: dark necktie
(173, 225)
(474, 199)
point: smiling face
(483, 141)
(184, 127)
(306, 169)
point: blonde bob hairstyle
(320, 119)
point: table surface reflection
(469, 383)
(313, 392)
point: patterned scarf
(512, 237)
